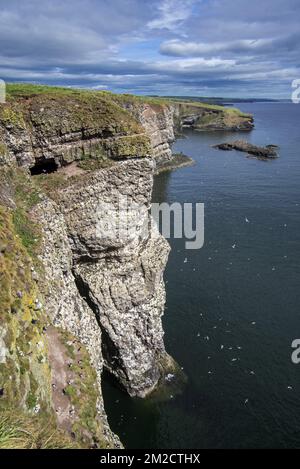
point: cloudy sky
(234, 48)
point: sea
(233, 306)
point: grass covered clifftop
(66, 107)
(17, 91)
(63, 125)
(41, 122)
(47, 118)
(27, 90)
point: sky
(231, 48)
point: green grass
(93, 164)
(20, 431)
(31, 401)
(83, 394)
(25, 229)
(16, 90)
(135, 99)
(71, 391)
(27, 89)
(20, 374)
(49, 183)
(12, 116)
(212, 107)
(16, 184)
(22, 90)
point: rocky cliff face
(65, 128)
(102, 284)
(83, 218)
(198, 116)
(48, 375)
(158, 123)
(73, 126)
(106, 282)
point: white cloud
(171, 12)
(180, 48)
(192, 65)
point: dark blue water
(243, 390)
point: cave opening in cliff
(44, 166)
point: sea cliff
(77, 297)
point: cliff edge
(82, 262)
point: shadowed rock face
(128, 298)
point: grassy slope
(212, 107)
(77, 107)
(26, 90)
(21, 431)
(48, 113)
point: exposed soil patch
(70, 170)
(74, 389)
(61, 375)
